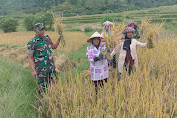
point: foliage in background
(88, 29)
(9, 24)
(29, 22)
(45, 18)
(77, 7)
(107, 18)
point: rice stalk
(59, 27)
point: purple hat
(128, 29)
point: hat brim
(90, 39)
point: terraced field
(167, 14)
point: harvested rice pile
(19, 55)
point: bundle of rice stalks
(86, 74)
(59, 27)
(113, 39)
(145, 24)
(153, 33)
(150, 41)
(63, 63)
(60, 61)
(106, 54)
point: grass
(81, 58)
(17, 89)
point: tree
(9, 24)
(29, 22)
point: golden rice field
(150, 92)
(74, 40)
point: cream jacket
(122, 55)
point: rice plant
(149, 92)
(59, 27)
(113, 40)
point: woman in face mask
(98, 63)
(128, 55)
(107, 26)
(106, 31)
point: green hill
(159, 14)
(168, 14)
(77, 7)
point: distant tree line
(10, 24)
(78, 7)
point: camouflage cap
(39, 26)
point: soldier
(40, 59)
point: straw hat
(95, 35)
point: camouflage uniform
(41, 49)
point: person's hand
(150, 45)
(34, 74)
(96, 59)
(61, 36)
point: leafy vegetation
(77, 7)
(9, 24)
(17, 89)
(88, 29)
(29, 22)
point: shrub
(29, 22)
(88, 29)
(46, 19)
(107, 18)
(9, 24)
(128, 17)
